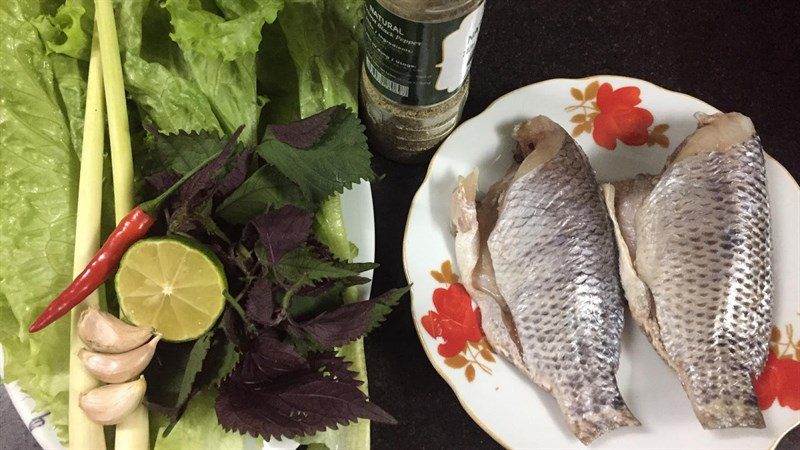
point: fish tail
(724, 399)
(598, 410)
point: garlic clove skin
(102, 332)
(119, 367)
(110, 404)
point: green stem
(287, 297)
(234, 302)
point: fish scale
(555, 263)
(704, 252)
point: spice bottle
(415, 75)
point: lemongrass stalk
(134, 432)
(83, 433)
(118, 133)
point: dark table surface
(740, 56)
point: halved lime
(172, 284)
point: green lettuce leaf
(231, 36)
(319, 40)
(67, 37)
(190, 68)
(38, 189)
(198, 428)
(220, 55)
(154, 68)
(69, 31)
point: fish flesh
(695, 264)
(537, 254)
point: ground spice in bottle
(415, 76)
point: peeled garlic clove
(102, 332)
(119, 367)
(110, 404)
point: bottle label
(418, 63)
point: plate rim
(426, 179)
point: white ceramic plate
(512, 409)
(360, 224)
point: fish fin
(602, 418)
(735, 406)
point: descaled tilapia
(695, 265)
(537, 254)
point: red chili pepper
(131, 228)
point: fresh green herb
(175, 366)
(221, 359)
(384, 304)
(181, 152)
(288, 300)
(277, 392)
(303, 265)
(265, 188)
(193, 366)
(281, 231)
(339, 159)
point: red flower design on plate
(619, 117)
(612, 114)
(454, 320)
(780, 381)
(459, 325)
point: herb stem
(234, 302)
(287, 297)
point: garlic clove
(110, 404)
(102, 332)
(119, 367)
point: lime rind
(172, 284)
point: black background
(735, 55)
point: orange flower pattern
(612, 115)
(780, 379)
(458, 325)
